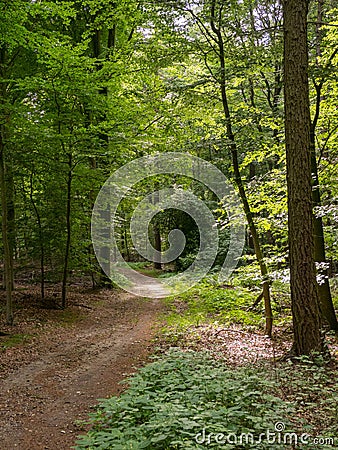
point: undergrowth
(188, 400)
(210, 302)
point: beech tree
(53, 121)
(216, 20)
(12, 45)
(210, 34)
(88, 85)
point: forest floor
(58, 363)
(55, 364)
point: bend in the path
(42, 401)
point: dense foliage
(88, 87)
(187, 400)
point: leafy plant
(171, 401)
(209, 301)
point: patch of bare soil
(71, 359)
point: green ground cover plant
(210, 301)
(170, 401)
(184, 400)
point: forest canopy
(88, 86)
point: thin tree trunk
(304, 295)
(69, 155)
(157, 236)
(69, 232)
(324, 291)
(8, 255)
(125, 241)
(157, 245)
(41, 241)
(105, 256)
(10, 215)
(91, 253)
(6, 226)
(238, 178)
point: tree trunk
(324, 292)
(157, 245)
(6, 195)
(125, 244)
(10, 213)
(238, 179)
(304, 295)
(69, 232)
(8, 254)
(105, 256)
(157, 235)
(325, 299)
(41, 241)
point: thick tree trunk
(238, 179)
(304, 295)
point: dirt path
(65, 370)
